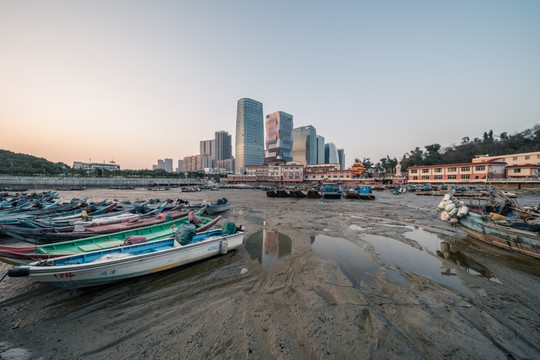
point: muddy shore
(325, 279)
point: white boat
(105, 266)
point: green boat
(17, 255)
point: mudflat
(314, 279)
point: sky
(137, 81)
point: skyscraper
(305, 145)
(249, 134)
(330, 154)
(341, 158)
(279, 141)
(208, 148)
(320, 149)
(223, 145)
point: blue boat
(362, 192)
(330, 191)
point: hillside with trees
(434, 154)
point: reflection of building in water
(276, 245)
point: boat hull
(100, 273)
(520, 241)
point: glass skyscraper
(305, 145)
(330, 154)
(341, 158)
(249, 134)
(320, 149)
(279, 140)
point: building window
(425, 171)
(480, 168)
(414, 171)
(452, 169)
(451, 177)
(465, 176)
(515, 158)
(527, 157)
(517, 171)
(438, 170)
(425, 177)
(438, 177)
(465, 168)
(415, 177)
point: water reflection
(414, 260)
(270, 248)
(465, 262)
(352, 260)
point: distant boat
(362, 192)
(330, 191)
(218, 207)
(106, 266)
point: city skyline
(87, 80)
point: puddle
(415, 261)
(269, 248)
(465, 262)
(427, 240)
(353, 261)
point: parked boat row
(325, 191)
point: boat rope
(3, 277)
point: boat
(25, 254)
(124, 262)
(499, 221)
(362, 192)
(218, 207)
(72, 232)
(330, 191)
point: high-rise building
(161, 164)
(320, 150)
(167, 165)
(330, 154)
(341, 158)
(249, 134)
(223, 148)
(305, 145)
(208, 148)
(180, 167)
(279, 141)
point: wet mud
(314, 279)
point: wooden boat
(500, 221)
(330, 191)
(106, 266)
(501, 234)
(362, 192)
(72, 232)
(218, 207)
(25, 254)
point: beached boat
(330, 191)
(500, 221)
(362, 192)
(106, 266)
(25, 254)
(72, 232)
(218, 207)
(506, 234)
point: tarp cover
(229, 228)
(185, 233)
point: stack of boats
(498, 220)
(108, 241)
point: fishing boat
(499, 221)
(218, 207)
(16, 255)
(111, 265)
(72, 232)
(330, 191)
(362, 192)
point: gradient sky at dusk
(137, 81)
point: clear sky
(136, 81)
